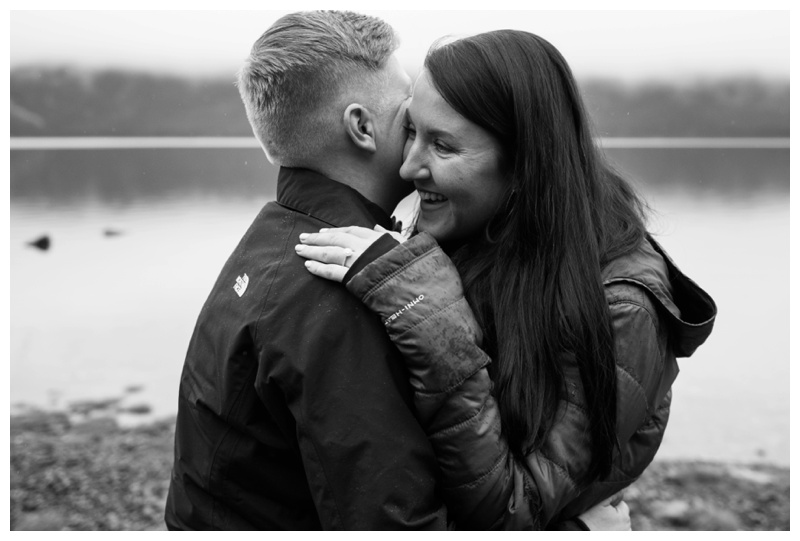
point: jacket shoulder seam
(274, 277)
(641, 305)
(622, 366)
(630, 302)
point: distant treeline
(65, 102)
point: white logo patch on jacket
(241, 284)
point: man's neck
(361, 180)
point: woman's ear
(359, 125)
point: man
(294, 407)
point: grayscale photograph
(352, 269)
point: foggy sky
(628, 45)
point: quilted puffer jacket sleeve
(417, 291)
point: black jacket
(294, 409)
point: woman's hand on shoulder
(332, 251)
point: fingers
(356, 231)
(331, 251)
(613, 500)
(397, 235)
(330, 272)
(329, 262)
(326, 254)
(341, 240)
(605, 503)
(625, 513)
(608, 502)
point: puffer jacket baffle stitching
(657, 314)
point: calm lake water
(97, 313)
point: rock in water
(43, 243)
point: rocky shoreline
(90, 474)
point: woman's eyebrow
(431, 131)
(438, 132)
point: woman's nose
(413, 167)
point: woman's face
(454, 164)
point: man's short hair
(298, 68)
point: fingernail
(303, 236)
(307, 264)
(298, 247)
(348, 251)
(323, 230)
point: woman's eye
(441, 147)
(410, 131)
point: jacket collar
(327, 200)
(691, 311)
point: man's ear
(359, 125)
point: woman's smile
(430, 199)
(455, 166)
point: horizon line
(222, 142)
(689, 77)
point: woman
(549, 390)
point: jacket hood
(691, 311)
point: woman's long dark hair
(534, 278)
